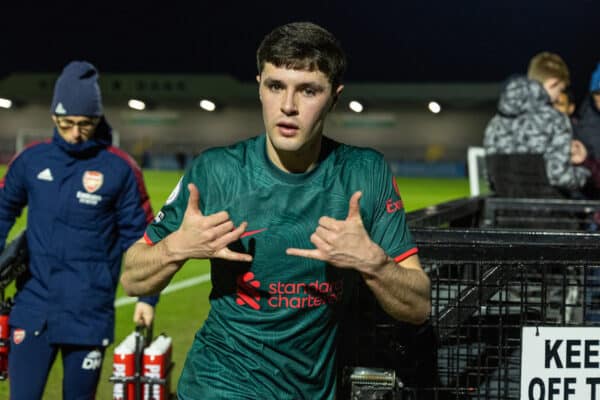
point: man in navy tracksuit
(87, 203)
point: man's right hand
(205, 236)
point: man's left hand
(344, 243)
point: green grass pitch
(180, 313)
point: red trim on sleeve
(395, 183)
(406, 254)
(148, 240)
(140, 181)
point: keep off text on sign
(560, 363)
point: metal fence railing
(495, 266)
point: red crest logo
(18, 336)
(92, 180)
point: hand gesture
(206, 236)
(344, 243)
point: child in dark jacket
(587, 128)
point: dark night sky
(386, 41)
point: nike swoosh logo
(250, 233)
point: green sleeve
(170, 216)
(388, 228)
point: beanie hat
(595, 82)
(76, 91)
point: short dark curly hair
(304, 46)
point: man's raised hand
(344, 243)
(207, 236)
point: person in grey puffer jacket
(526, 121)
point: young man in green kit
(290, 220)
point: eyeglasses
(84, 126)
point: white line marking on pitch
(173, 287)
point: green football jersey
(271, 330)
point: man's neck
(299, 161)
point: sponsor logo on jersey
(18, 336)
(88, 198)
(393, 206)
(288, 294)
(247, 291)
(305, 295)
(92, 180)
(92, 361)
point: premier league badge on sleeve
(92, 180)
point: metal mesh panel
(487, 282)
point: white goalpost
(478, 182)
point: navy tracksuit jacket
(87, 203)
